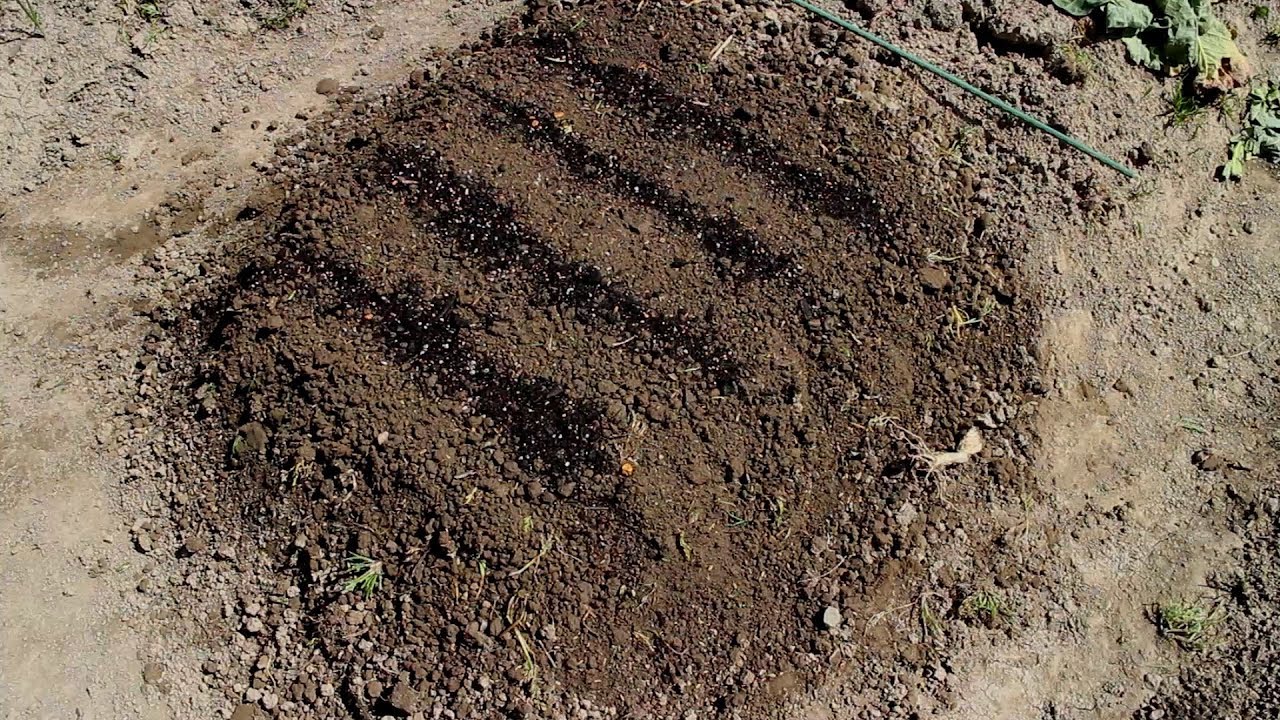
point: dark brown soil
(620, 362)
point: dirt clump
(577, 367)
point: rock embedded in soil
(1122, 386)
(1208, 460)
(403, 699)
(832, 618)
(194, 545)
(153, 673)
(327, 86)
(935, 278)
(254, 436)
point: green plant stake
(967, 87)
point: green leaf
(1260, 136)
(1079, 7)
(1142, 54)
(1181, 13)
(1233, 169)
(1266, 120)
(1162, 34)
(1269, 148)
(1217, 59)
(1128, 16)
(1182, 22)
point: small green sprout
(366, 575)
(545, 547)
(987, 607)
(530, 666)
(777, 511)
(930, 625)
(149, 10)
(32, 13)
(1184, 105)
(1195, 425)
(1187, 623)
(283, 14)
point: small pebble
(152, 673)
(831, 617)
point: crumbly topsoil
(625, 372)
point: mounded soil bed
(622, 366)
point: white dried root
(970, 445)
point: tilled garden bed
(590, 364)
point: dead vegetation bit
(922, 455)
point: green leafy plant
(1166, 35)
(1260, 136)
(983, 606)
(281, 13)
(1187, 623)
(1184, 105)
(149, 10)
(365, 575)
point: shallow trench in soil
(610, 374)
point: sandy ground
(1157, 344)
(74, 625)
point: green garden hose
(967, 87)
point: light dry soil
(76, 634)
(1157, 344)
